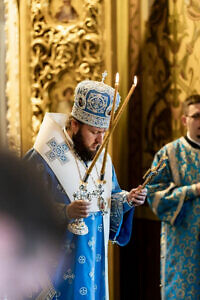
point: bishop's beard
(81, 149)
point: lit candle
(110, 126)
(108, 134)
(117, 79)
(121, 109)
(114, 100)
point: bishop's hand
(78, 209)
(137, 196)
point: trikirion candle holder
(78, 226)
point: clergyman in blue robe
(174, 195)
(63, 153)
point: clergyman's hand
(78, 209)
(137, 196)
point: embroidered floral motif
(57, 295)
(90, 119)
(97, 102)
(93, 103)
(91, 274)
(91, 243)
(98, 257)
(69, 247)
(83, 291)
(82, 259)
(57, 151)
(100, 227)
(69, 276)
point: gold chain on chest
(102, 203)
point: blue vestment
(173, 197)
(81, 273)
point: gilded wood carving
(171, 68)
(66, 47)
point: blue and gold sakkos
(173, 197)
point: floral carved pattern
(62, 54)
(171, 68)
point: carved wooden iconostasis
(64, 47)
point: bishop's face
(192, 121)
(87, 139)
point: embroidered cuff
(126, 204)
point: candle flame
(117, 78)
(135, 80)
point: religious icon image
(63, 100)
(66, 12)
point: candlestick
(154, 171)
(108, 134)
(110, 125)
(114, 100)
(121, 109)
